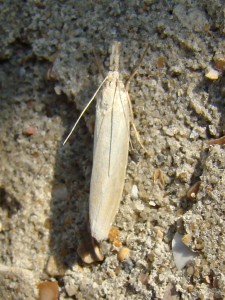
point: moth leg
(98, 63)
(136, 67)
(139, 138)
(127, 88)
(134, 127)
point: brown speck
(190, 288)
(207, 28)
(29, 131)
(143, 277)
(117, 243)
(48, 290)
(123, 254)
(158, 176)
(220, 62)
(117, 270)
(48, 223)
(159, 233)
(193, 191)
(68, 220)
(35, 154)
(51, 75)
(186, 239)
(199, 244)
(114, 234)
(161, 62)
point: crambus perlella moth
(111, 146)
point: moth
(111, 146)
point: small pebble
(29, 131)
(114, 235)
(212, 74)
(190, 288)
(190, 270)
(139, 206)
(187, 239)
(212, 130)
(159, 233)
(220, 62)
(48, 290)
(134, 192)
(193, 191)
(123, 254)
(53, 267)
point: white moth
(111, 145)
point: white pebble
(134, 192)
(212, 74)
(139, 206)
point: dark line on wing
(110, 144)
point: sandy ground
(48, 72)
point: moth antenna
(86, 107)
(98, 63)
(127, 84)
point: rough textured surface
(48, 72)
(17, 283)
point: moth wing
(111, 145)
